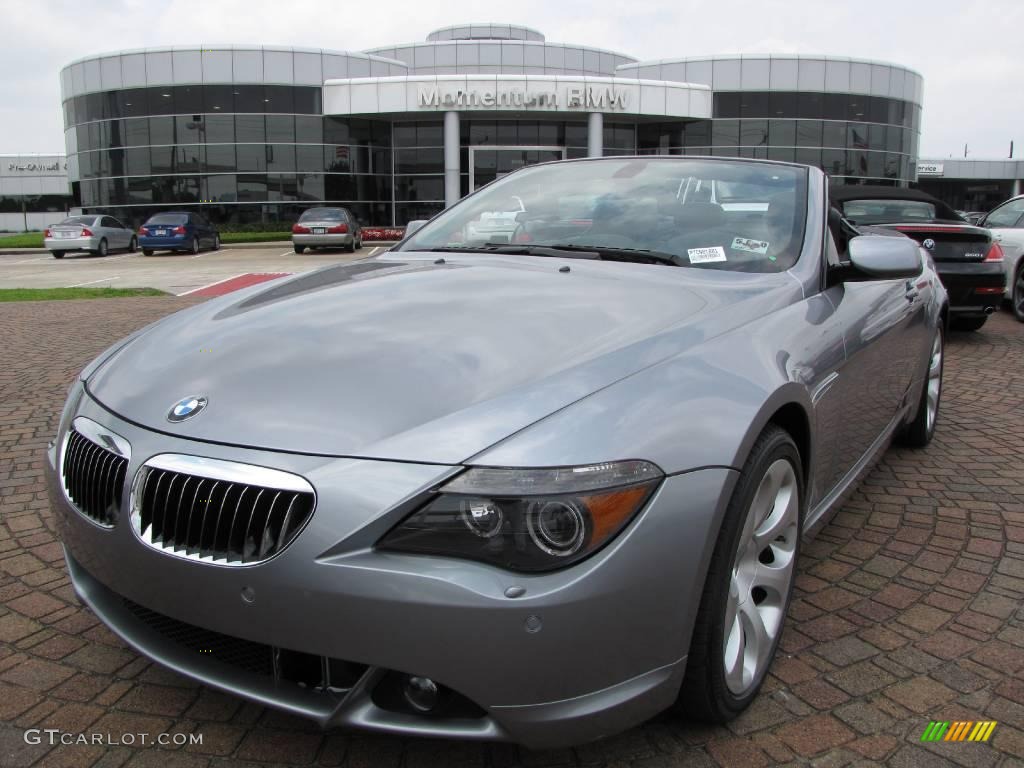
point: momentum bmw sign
(571, 97)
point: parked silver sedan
(327, 228)
(99, 235)
(535, 491)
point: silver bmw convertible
(534, 490)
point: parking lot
(909, 605)
(176, 273)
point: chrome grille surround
(93, 465)
(216, 511)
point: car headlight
(70, 406)
(527, 520)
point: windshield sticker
(704, 255)
(753, 246)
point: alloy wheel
(934, 380)
(762, 572)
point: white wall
(15, 222)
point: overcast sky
(965, 49)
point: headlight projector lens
(557, 527)
(482, 517)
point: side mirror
(412, 226)
(884, 257)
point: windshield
(86, 220)
(716, 214)
(168, 218)
(887, 211)
(323, 214)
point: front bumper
(962, 282)
(324, 241)
(71, 243)
(614, 631)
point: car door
(121, 235)
(110, 232)
(884, 326)
(202, 230)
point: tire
(967, 323)
(147, 251)
(919, 432)
(57, 254)
(133, 244)
(195, 246)
(299, 248)
(103, 250)
(1017, 293)
(216, 242)
(351, 247)
(767, 570)
(358, 245)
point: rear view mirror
(412, 226)
(885, 258)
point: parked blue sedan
(177, 231)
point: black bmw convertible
(969, 261)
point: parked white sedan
(98, 235)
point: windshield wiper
(563, 252)
(615, 253)
(568, 251)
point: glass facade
(241, 134)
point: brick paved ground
(909, 605)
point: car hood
(413, 358)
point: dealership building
(254, 134)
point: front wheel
(195, 245)
(967, 323)
(133, 244)
(919, 432)
(749, 583)
(1017, 293)
(216, 242)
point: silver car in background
(327, 228)
(536, 491)
(1006, 222)
(98, 235)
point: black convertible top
(840, 193)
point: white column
(595, 134)
(1016, 188)
(451, 159)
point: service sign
(21, 166)
(929, 169)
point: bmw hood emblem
(929, 244)
(186, 408)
